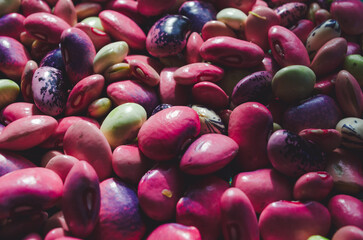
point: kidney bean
(348, 14)
(18, 110)
(54, 59)
(313, 186)
(11, 25)
(130, 9)
(244, 6)
(302, 29)
(197, 72)
(61, 164)
(99, 107)
(153, 7)
(174, 231)
(11, 161)
(210, 95)
(66, 10)
(87, 9)
(352, 132)
(353, 64)
(33, 6)
(291, 13)
(109, 55)
(348, 232)
(215, 28)
(99, 38)
(326, 139)
(192, 48)
(153, 62)
(144, 72)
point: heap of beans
(181, 120)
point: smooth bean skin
(99, 38)
(291, 13)
(99, 107)
(192, 48)
(144, 72)
(351, 129)
(210, 95)
(32, 187)
(61, 164)
(174, 231)
(85, 141)
(109, 55)
(9, 91)
(263, 186)
(353, 64)
(27, 132)
(129, 163)
(11, 25)
(348, 232)
(18, 110)
(133, 91)
(199, 207)
(117, 72)
(244, 6)
(45, 26)
(11, 161)
(329, 57)
(302, 29)
(162, 143)
(231, 52)
(197, 72)
(56, 138)
(353, 48)
(49, 90)
(249, 125)
(74, 43)
(87, 9)
(326, 139)
(159, 191)
(122, 28)
(129, 8)
(313, 186)
(13, 57)
(349, 94)
(120, 216)
(123, 123)
(346, 210)
(286, 47)
(81, 199)
(198, 13)
(83, 93)
(154, 7)
(54, 59)
(216, 28)
(233, 18)
(256, 87)
(153, 62)
(239, 219)
(208, 154)
(326, 114)
(30, 6)
(66, 10)
(168, 36)
(294, 220)
(257, 24)
(348, 14)
(210, 122)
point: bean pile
(181, 120)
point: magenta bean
(325, 85)
(11, 161)
(292, 155)
(348, 232)
(17, 110)
(66, 10)
(34, 6)
(168, 36)
(133, 91)
(198, 72)
(122, 28)
(11, 25)
(198, 13)
(74, 43)
(346, 169)
(32, 236)
(49, 90)
(99, 38)
(13, 57)
(27, 132)
(170, 92)
(287, 49)
(255, 87)
(192, 48)
(346, 210)
(153, 62)
(84, 141)
(208, 153)
(239, 219)
(291, 13)
(329, 57)
(210, 95)
(349, 15)
(200, 207)
(61, 164)
(249, 125)
(285, 220)
(353, 48)
(56, 139)
(349, 94)
(174, 231)
(144, 72)
(326, 114)
(216, 28)
(263, 187)
(257, 24)
(162, 143)
(55, 234)
(120, 216)
(326, 139)
(81, 199)
(49, 155)
(313, 186)
(87, 9)
(83, 93)
(128, 8)
(244, 6)
(302, 29)
(129, 163)
(154, 7)
(159, 190)
(45, 26)
(231, 52)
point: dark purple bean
(11, 161)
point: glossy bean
(129, 8)
(109, 55)
(351, 129)
(244, 6)
(87, 9)
(175, 231)
(11, 161)
(153, 7)
(192, 48)
(198, 13)
(9, 91)
(66, 10)
(353, 64)
(198, 72)
(117, 72)
(11, 25)
(216, 28)
(99, 107)
(210, 95)
(61, 164)
(302, 29)
(348, 14)
(99, 38)
(144, 72)
(18, 110)
(54, 59)
(210, 121)
(30, 6)
(348, 232)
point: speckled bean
(210, 122)
(291, 13)
(351, 129)
(326, 139)
(54, 59)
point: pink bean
(99, 38)
(128, 8)
(348, 232)
(154, 7)
(34, 6)
(349, 15)
(198, 72)
(65, 10)
(174, 231)
(61, 164)
(210, 95)
(11, 161)
(17, 110)
(192, 48)
(144, 72)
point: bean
(176, 231)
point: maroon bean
(128, 8)
(302, 29)
(349, 15)
(34, 6)
(66, 10)
(154, 7)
